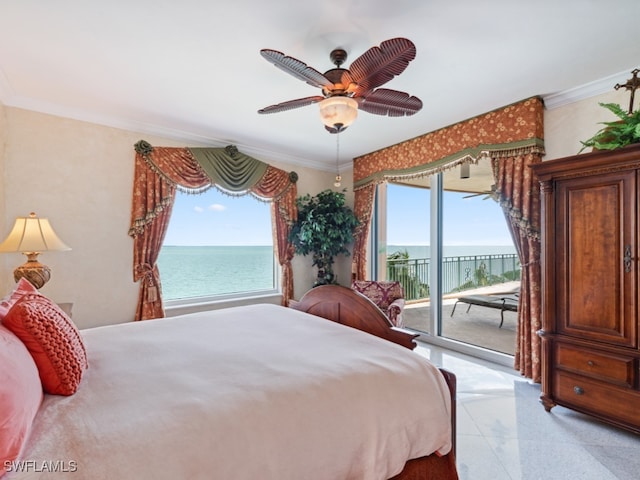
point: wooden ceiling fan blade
(291, 104)
(390, 103)
(298, 69)
(378, 65)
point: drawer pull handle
(578, 390)
(590, 363)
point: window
(217, 245)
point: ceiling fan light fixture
(338, 112)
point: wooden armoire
(590, 269)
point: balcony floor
(477, 327)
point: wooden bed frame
(348, 307)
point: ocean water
(218, 270)
(423, 251)
(215, 270)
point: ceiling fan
(345, 91)
(488, 194)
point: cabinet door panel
(595, 243)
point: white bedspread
(257, 393)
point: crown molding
(25, 103)
(588, 90)
(9, 98)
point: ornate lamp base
(34, 271)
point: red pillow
(53, 341)
(20, 396)
(23, 287)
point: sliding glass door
(407, 254)
(449, 245)
(480, 267)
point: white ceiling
(191, 69)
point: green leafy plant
(399, 269)
(324, 228)
(616, 134)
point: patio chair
(387, 295)
(504, 301)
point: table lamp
(32, 235)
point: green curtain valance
(230, 169)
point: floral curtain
(160, 171)
(519, 196)
(512, 137)
(363, 209)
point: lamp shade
(32, 234)
(338, 112)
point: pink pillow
(20, 396)
(23, 286)
(53, 341)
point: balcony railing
(458, 273)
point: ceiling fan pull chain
(338, 181)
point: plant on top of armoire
(324, 227)
(616, 134)
(624, 131)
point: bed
(253, 392)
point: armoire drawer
(598, 398)
(617, 369)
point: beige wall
(80, 176)
(566, 126)
(4, 134)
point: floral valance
(195, 170)
(512, 130)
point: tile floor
(504, 433)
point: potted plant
(324, 228)
(616, 134)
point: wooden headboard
(348, 307)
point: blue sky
(466, 221)
(213, 218)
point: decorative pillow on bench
(387, 295)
